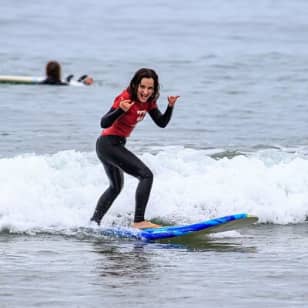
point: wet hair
(136, 80)
(53, 70)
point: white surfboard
(27, 80)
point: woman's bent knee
(115, 189)
(147, 174)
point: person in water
(53, 76)
(129, 108)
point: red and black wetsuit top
(117, 122)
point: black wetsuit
(116, 158)
(52, 81)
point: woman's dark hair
(53, 70)
(139, 75)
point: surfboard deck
(196, 230)
(27, 80)
(10, 79)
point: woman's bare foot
(145, 225)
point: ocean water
(237, 142)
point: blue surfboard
(221, 224)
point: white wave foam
(60, 191)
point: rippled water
(259, 267)
(240, 70)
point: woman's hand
(126, 104)
(172, 100)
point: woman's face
(145, 89)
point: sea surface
(237, 142)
